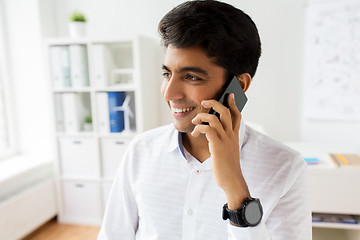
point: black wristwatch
(248, 215)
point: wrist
(236, 196)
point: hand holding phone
(223, 138)
(231, 86)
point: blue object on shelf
(312, 161)
(116, 117)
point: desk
(332, 190)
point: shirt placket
(197, 180)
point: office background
(276, 95)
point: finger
(235, 113)
(210, 133)
(213, 121)
(225, 116)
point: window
(4, 142)
(7, 143)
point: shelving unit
(332, 231)
(88, 155)
(334, 190)
(344, 226)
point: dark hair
(225, 32)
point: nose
(172, 89)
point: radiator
(27, 196)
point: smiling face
(190, 76)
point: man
(174, 181)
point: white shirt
(161, 192)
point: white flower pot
(87, 127)
(77, 29)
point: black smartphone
(231, 86)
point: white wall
(341, 132)
(30, 87)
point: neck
(196, 146)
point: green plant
(88, 119)
(77, 17)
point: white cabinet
(82, 202)
(79, 157)
(102, 90)
(335, 191)
(332, 189)
(112, 151)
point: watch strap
(234, 216)
(237, 216)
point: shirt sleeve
(121, 214)
(290, 218)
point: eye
(166, 75)
(192, 77)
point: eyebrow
(187, 69)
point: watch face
(253, 213)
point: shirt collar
(176, 139)
(242, 134)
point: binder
(346, 159)
(72, 112)
(116, 117)
(65, 62)
(60, 66)
(59, 113)
(334, 218)
(79, 65)
(55, 61)
(103, 112)
(101, 65)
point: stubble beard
(183, 129)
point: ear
(244, 80)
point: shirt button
(190, 212)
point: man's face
(190, 76)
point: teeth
(180, 110)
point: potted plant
(77, 24)
(88, 123)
